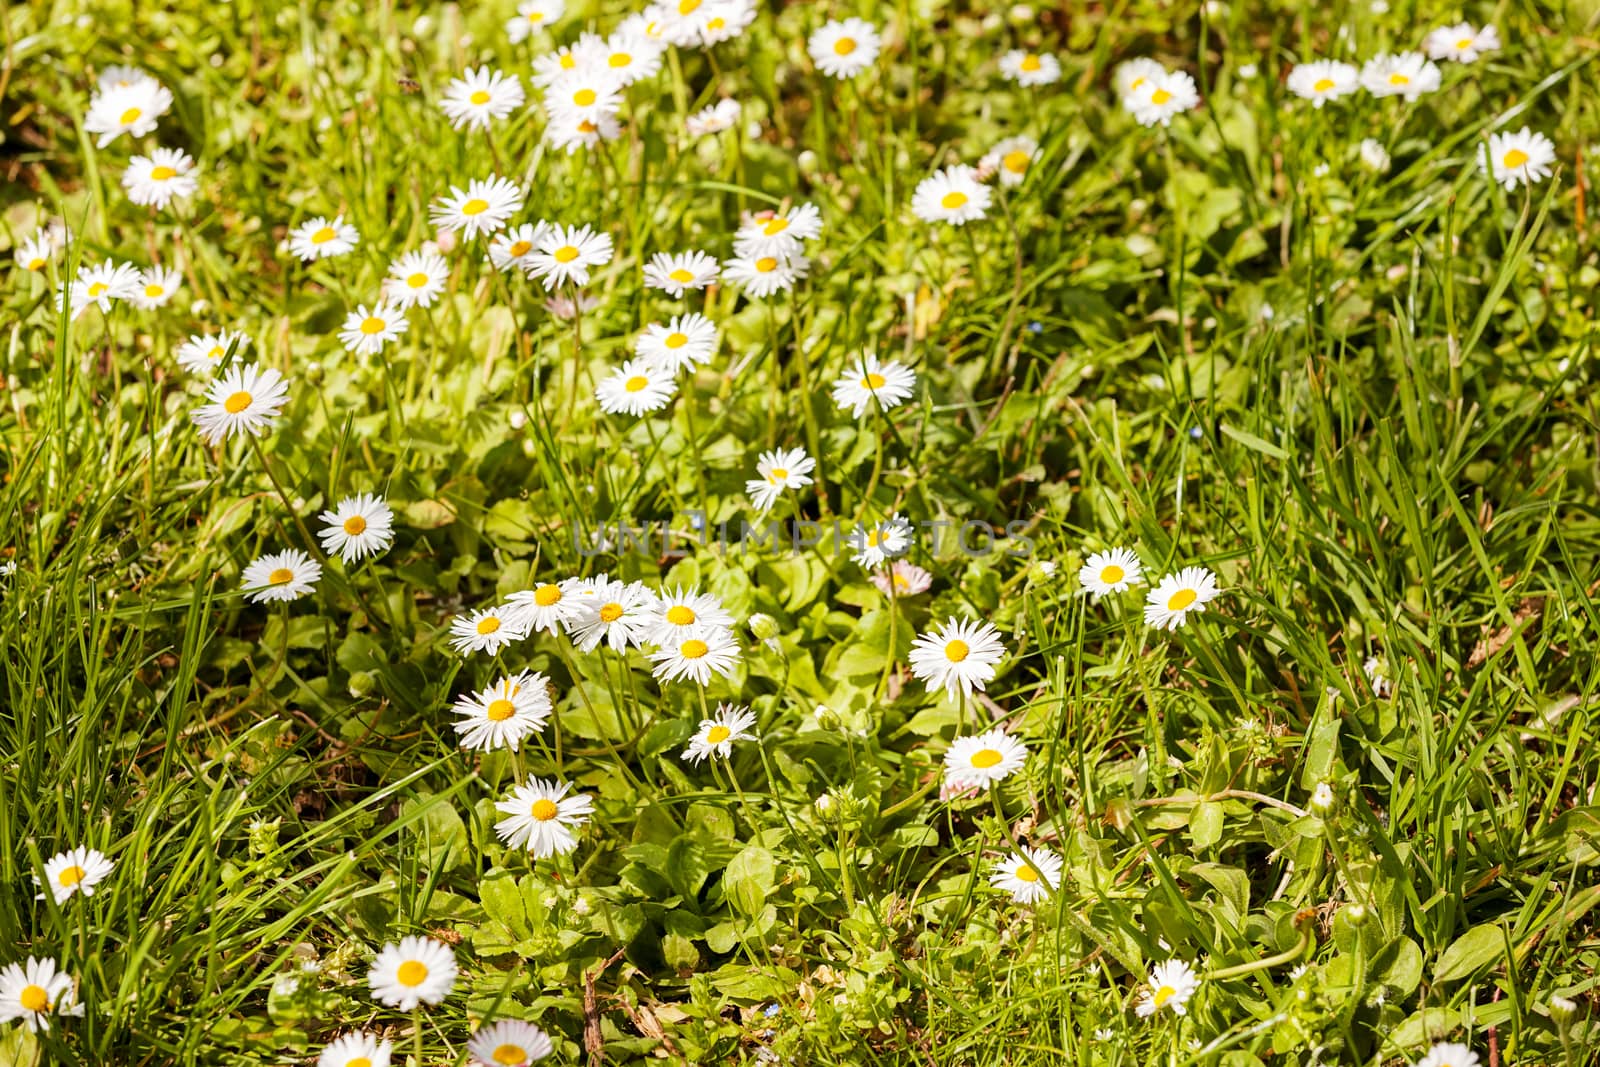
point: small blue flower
(1195, 433)
(1036, 327)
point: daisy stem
(812, 436)
(694, 447)
(416, 1029)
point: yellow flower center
(372, 324)
(775, 227)
(874, 381)
(480, 97)
(636, 383)
(985, 758)
(237, 402)
(417, 280)
(1016, 161)
(568, 61)
(844, 46)
(1160, 96)
(1399, 79)
(585, 126)
(611, 612)
(1182, 599)
(355, 525)
(1030, 63)
(36, 263)
(475, 207)
(488, 625)
(1322, 85)
(715, 23)
(718, 734)
(161, 174)
(1133, 86)
(957, 650)
(953, 200)
(546, 595)
(510, 1055)
(900, 581)
(1515, 158)
(873, 538)
(130, 116)
(96, 288)
(1026, 874)
(500, 710)
(520, 249)
(1164, 994)
(217, 352)
(766, 264)
(565, 254)
(687, 7)
(676, 340)
(544, 809)
(153, 291)
(1112, 574)
(620, 59)
(678, 615)
(412, 973)
(1464, 44)
(778, 476)
(322, 236)
(681, 276)
(584, 97)
(281, 576)
(70, 876)
(34, 998)
(536, 16)
(694, 648)
(359, 1061)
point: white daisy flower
(508, 1043)
(204, 354)
(481, 96)
(1110, 572)
(1030, 68)
(679, 613)
(246, 400)
(542, 817)
(870, 382)
(953, 195)
(778, 233)
(569, 132)
(510, 250)
(784, 468)
(322, 238)
(761, 276)
(505, 713)
(1131, 76)
(566, 253)
(724, 20)
(1171, 985)
(1449, 1054)
(636, 388)
(1010, 159)
(1177, 596)
(280, 576)
(419, 970)
(483, 207)
(33, 991)
(552, 67)
(716, 735)
(961, 655)
(1407, 74)
(1160, 98)
(36, 252)
(631, 56)
(356, 1050)
(130, 109)
(589, 92)
(120, 77)
(683, 343)
(1461, 42)
(979, 761)
(486, 630)
(843, 49)
(880, 542)
(618, 613)
(1323, 80)
(697, 656)
(156, 287)
(1028, 874)
(77, 870)
(1515, 158)
(533, 15)
(723, 115)
(366, 332)
(98, 285)
(903, 579)
(159, 178)
(360, 526)
(548, 606)
(674, 273)
(416, 279)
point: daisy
(684, 342)
(542, 817)
(723, 20)
(416, 279)
(1010, 159)
(572, 132)
(509, 251)
(675, 273)
(1171, 983)
(505, 713)
(120, 77)
(880, 542)
(156, 286)
(483, 207)
(1169, 605)
(356, 1050)
(1407, 74)
(1026, 873)
(36, 252)
(281, 576)
(723, 115)
(99, 285)
(953, 195)
(486, 630)
(76, 871)
(679, 613)
(844, 49)
(244, 401)
(361, 526)
(637, 388)
(1446, 1054)
(778, 233)
(533, 15)
(130, 109)
(718, 733)
(979, 762)
(1030, 68)
(1519, 157)
(1162, 97)
(589, 92)
(871, 380)
(1131, 76)
(784, 468)
(508, 1043)
(962, 655)
(480, 97)
(566, 253)
(366, 332)
(761, 276)
(33, 991)
(155, 180)
(902, 579)
(204, 354)
(549, 606)
(322, 239)
(617, 613)
(1461, 42)
(549, 69)
(419, 970)
(1110, 572)
(1323, 80)
(631, 56)
(697, 656)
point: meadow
(932, 532)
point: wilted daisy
(280, 576)
(155, 180)
(953, 195)
(565, 254)
(880, 541)
(1030, 68)
(843, 49)
(33, 991)
(204, 354)
(1110, 572)
(980, 761)
(98, 285)
(485, 630)
(761, 276)
(784, 468)
(483, 207)
(1461, 42)
(870, 382)
(675, 273)
(548, 606)
(156, 286)
(481, 96)
(419, 970)
(322, 238)
(697, 656)
(636, 388)
(684, 342)
(1169, 605)
(510, 250)
(1449, 1054)
(416, 279)
(243, 401)
(356, 1050)
(1009, 159)
(716, 735)
(1028, 874)
(36, 252)
(361, 526)
(503, 714)
(778, 233)
(679, 612)
(1162, 96)
(366, 332)
(1171, 985)
(1407, 74)
(130, 109)
(1519, 157)
(542, 817)
(77, 870)
(960, 655)
(723, 115)
(1131, 76)
(1373, 155)
(1323, 80)
(508, 1043)
(533, 15)
(903, 579)
(618, 613)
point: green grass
(1365, 400)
